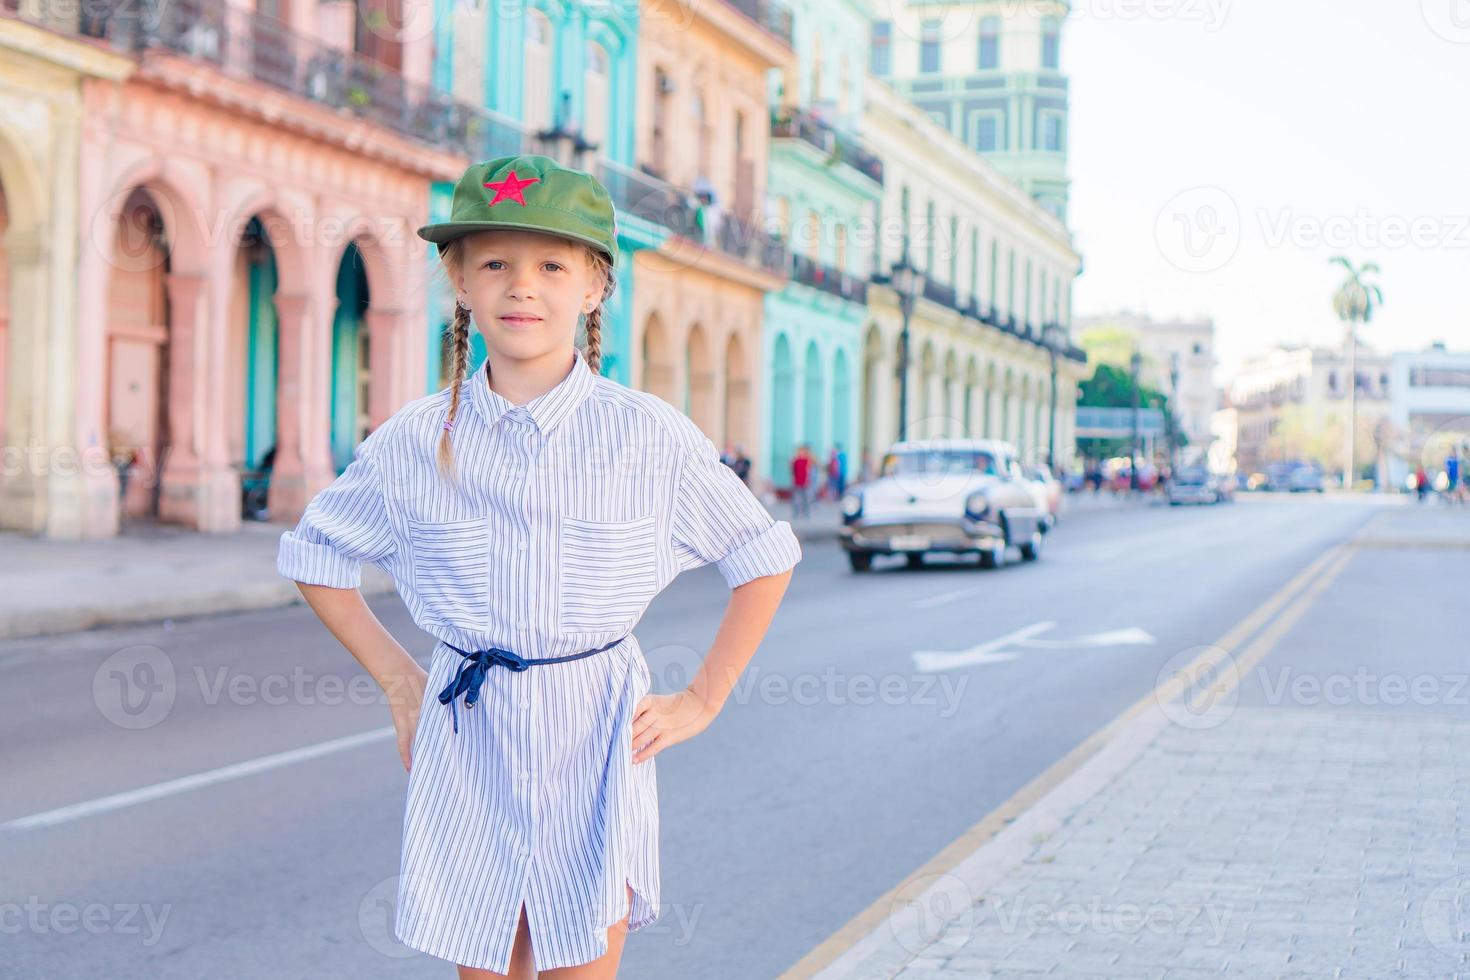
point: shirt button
(526, 705)
(521, 626)
(521, 544)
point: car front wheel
(861, 561)
(1031, 550)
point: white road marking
(1112, 638)
(993, 651)
(929, 602)
(987, 652)
(172, 787)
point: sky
(1221, 152)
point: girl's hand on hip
(661, 720)
(405, 698)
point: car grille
(880, 533)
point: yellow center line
(1306, 586)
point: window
(954, 250)
(1050, 136)
(987, 133)
(598, 95)
(1050, 43)
(881, 50)
(989, 54)
(936, 462)
(929, 236)
(929, 47)
(975, 265)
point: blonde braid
(592, 350)
(460, 339)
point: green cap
(532, 192)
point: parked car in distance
(1047, 490)
(1306, 478)
(1278, 475)
(955, 496)
(1194, 485)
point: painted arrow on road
(994, 651)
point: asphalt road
(836, 769)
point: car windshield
(939, 461)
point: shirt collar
(547, 409)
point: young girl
(528, 515)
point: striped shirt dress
(570, 514)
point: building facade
(990, 73)
(1290, 404)
(246, 261)
(1429, 409)
(994, 315)
(1178, 360)
(823, 185)
(702, 148)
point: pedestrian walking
(1421, 484)
(801, 481)
(837, 471)
(742, 464)
(528, 513)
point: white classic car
(960, 496)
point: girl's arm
(662, 720)
(346, 614)
(749, 613)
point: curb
(252, 597)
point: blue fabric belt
(476, 665)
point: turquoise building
(824, 189)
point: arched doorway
(783, 410)
(952, 424)
(699, 392)
(813, 400)
(658, 364)
(257, 277)
(4, 310)
(872, 372)
(842, 402)
(136, 375)
(737, 394)
(350, 359)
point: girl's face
(525, 289)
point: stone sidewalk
(1269, 841)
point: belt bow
(471, 676)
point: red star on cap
(509, 189)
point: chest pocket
(451, 570)
(609, 571)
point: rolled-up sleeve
(344, 525)
(717, 519)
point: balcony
(254, 48)
(796, 123)
(764, 13)
(938, 292)
(676, 208)
(811, 273)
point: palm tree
(1355, 302)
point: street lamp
(909, 282)
(1135, 362)
(1054, 336)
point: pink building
(248, 282)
